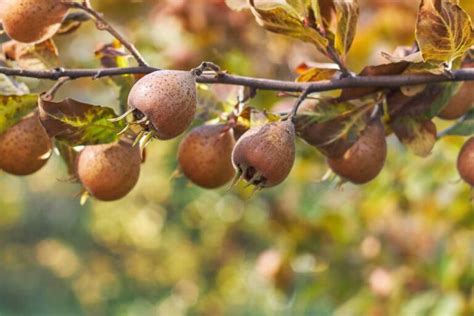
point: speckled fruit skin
(465, 163)
(110, 171)
(460, 103)
(268, 150)
(204, 155)
(32, 21)
(24, 147)
(366, 158)
(168, 99)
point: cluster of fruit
(209, 155)
(164, 102)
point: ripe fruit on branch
(465, 163)
(204, 155)
(460, 103)
(168, 99)
(264, 155)
(24, 147)
(32, 21)
(366, 158)
(109, 171)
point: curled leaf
(418, 135)
(295, 19)
(38, 56)
(347, 14)
(443, 31)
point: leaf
(72, 22)
(295, 19)
(419, 135)
(464, 127)
(69, 155)
(14, 108)
(77, 123)
(443, 31)
(39, 56)
(9, 86)
(112, 55)
(372, 71)
(426, 104)
(237, 5)
(347, 14)
(403, 54)
(317, 74)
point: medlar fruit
(204, 155)
(465, 163)
(366, 158)
(168, 99)
(24, 147)
(32, 21)
(264, 155)
(109, 171)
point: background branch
(392, 81)
(103, 24)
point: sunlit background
(400, 245)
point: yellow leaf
(443, 31)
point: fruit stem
(49, 95)
(298, 103)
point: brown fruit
(110, 171)
(325, 136)
(168, 99)
(366, 158)
(465, 162)
(264, 155)
(205, 153)
(32, 21)
(24, 147)
(460, 103)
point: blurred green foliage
(401, 245)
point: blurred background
(400, 245)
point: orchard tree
(346, 116)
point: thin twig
(390, 81)
(49, 95)
(103, 24)
(298, 103)
(337, 59)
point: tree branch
(392, 81)
(103, 24)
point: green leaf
(443, 31)
(465, 127)
(293, 18)
(347, 14)
(14, 108)
(77, 123)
